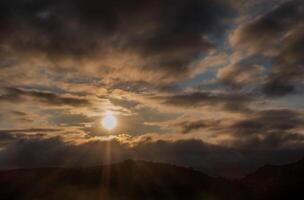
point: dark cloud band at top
(166, 38)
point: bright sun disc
(109, 122)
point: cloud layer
(212, 84)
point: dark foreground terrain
(146, 180)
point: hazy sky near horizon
(212, 84)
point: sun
(109, 121)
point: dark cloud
(265, 30)
(269, 129)
(10, 136)
(188, 126)
(7, 138)
(272, 140)
(245, 72)
(30, 130)
(233, 102)
(54, 152)
(288, 74)
(213, 159)
(279, 36)
(168, 36)
(265, 129)
(191, 126)
(66, 119)
(19, 95)
(269, 121)
(19, 113)
(277, 88)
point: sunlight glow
(109, 121)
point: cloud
(191, 126)
(272, 140)
(106, 37)
(278, 88)
(9, 137)
(267, 129)
(240, 75)
(214, 159)
(263, 32)
(188, 125)
(31, 130)
(264, 129)
(19, 95)
(162, 67)
(268, 121)
(232, 102)
(277, 35)
(19, 113)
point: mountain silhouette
(147, 180)
(277, 182)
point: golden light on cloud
(109, 121)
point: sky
(216, 85)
